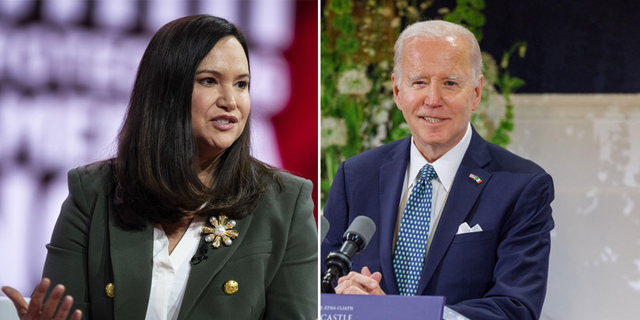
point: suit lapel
(392, 175)
(132, 259)
(464, 194)
(203, 273)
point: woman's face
(220, 103)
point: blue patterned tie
(413, 234)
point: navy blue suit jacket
(499, 273)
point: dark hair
(157, 157)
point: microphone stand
(338, 262)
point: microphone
(201, 254)
(338, 262)
(324, 228)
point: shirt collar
(446, 166)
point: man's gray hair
(437, 29)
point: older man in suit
(456, 215)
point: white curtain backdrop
(590, 144)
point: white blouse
(171, 272)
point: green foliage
(468, 13)
(340, 7)
(507, 85)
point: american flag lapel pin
(475, 178)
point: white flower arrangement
(334, 132)
(354, 81)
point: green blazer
(273, 260)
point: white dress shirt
(446, 168)
(171, 272)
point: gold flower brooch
(221, 230)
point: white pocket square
(464, 228)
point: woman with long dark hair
(183, 223)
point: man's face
(436, 93)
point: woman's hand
(34, 310)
